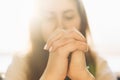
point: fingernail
(45, 47)
(82, 36)
(50, 49)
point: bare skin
(62, 46)
(59, 29)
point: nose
(60, 23)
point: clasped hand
(61, 44)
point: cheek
(46, 30)
(74, 23)
(77, 23)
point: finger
(78, 60)
(57, 35)
(70, 34)
(77, 64)
(74, 33)
(82, 46)
(61, 42)
(69, 48)
(70, 43)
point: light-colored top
(19, 68)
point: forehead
(57, 5)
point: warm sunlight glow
(14, 21)
(15, 18)
(103, 16)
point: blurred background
(103, 16)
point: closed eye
(69, 14)
(69, 17)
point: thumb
(77, 63)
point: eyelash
(69, 18)
(65, 17)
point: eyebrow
(68, 11)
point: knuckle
(54, 44)
(85, 47)
(82, 46)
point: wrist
(86, 75)
(49, 76)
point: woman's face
(59, 14)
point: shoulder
(103, 71)
(18, 69)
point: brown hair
(38, 57)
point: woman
(61, 47)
